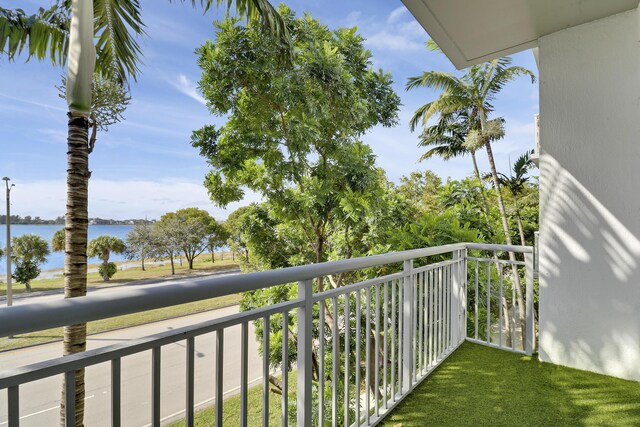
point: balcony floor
(478, 385)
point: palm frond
(261, 11)
(44, 34)
(117, 24)
(436, 80)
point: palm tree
(448, 139)
(474, 92)
(114, 25)
(28, 251)
(516, 183)
(102, 247)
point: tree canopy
(293, 130)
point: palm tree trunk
(75, 257)
(485, 205)
(507, 235)
(519, 220)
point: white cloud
(397, 14)
(399, 33)
(187, 87)
(120, 199)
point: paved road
(39, 400)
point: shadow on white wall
(589, 279)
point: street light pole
(8, 254)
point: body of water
(56, 259)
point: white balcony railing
(405, 323)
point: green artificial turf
(481, 386)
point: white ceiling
(474, 31)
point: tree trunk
(75, 256)
(173, 267)
(519, 220)
(485, 205)
(190, 260)
(105, 264)
(27, 284)
(213, 256)
(507, 235)
(105, 272)
(142, 256)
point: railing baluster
(514, 335)
(407, 331)
(305, 364)
(376, 355)
(400, 336)
(393, 341)
(219, 375)
(13, 406)
(477, 297)
(368, 356)
(244, 373)
(420, 316)
(529, 335)
(440, 313)
(432, 318)
(190, 403)
(385, 310)
(347, 351)
(285, 369)
(357, 363)
(489, 302)
(425, 326)
(116, 392)
(70, 398)
(266, 335)
(334, 366)
(499, 266)
(155, 385)
(321, 321)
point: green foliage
(25, 271)
(29, 248)
(108, 269)
(110, 99)
(187, 230)
(44, 34)
(102, 247)
(28, 252)
(58, 241)
(139, 242)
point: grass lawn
(201, 264)
(152, 271)
(478, 386)
(231, 409)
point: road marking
(206, 401)
(42, 412)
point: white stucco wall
(590, 196)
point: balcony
(400, 316)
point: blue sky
(145, 166)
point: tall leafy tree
(103, 247)
(193, 232)
(28, 252)
(475, 92)
(166, 238)
(293, 136)
(216, 236)
(100, 36)
(140, 242)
